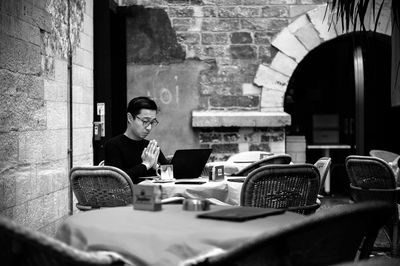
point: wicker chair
(334, 235)
(323, 164)
(101, 186)
(21, 246)
(387, 156)
(371, 178)
(293, 187)
(273, 159)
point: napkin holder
(217, 173)
(147, 197)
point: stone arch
(294, 42)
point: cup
(165, 172)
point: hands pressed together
(150, 155)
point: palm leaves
(355, 12)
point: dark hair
(139, 103)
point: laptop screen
(189, 163)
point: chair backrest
(369, 172)
(22, 246)
(101, 186)
(330, 236)
(273, 159)
(323, 164)
(248, 156)
(387, 156)
(291, 186)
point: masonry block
(36, 213)
(16, 84)
(8, 190)
(214, 38)
(268, 2)
(316, 17)
(283, 64)
(55, 90)
(209, 11)
(88, 25)
(24, 182)
(264, 54)
(83, 138)
(181, 11)
(243, 51)
(86, 42)
(19, 29)
(264, 24)
(56, 115)
(231, 137)
(84, 159)
(222, 2)
(40, 146)
(20, 215)
(82, 115)
(210, 137)
(259, 147)
(277, 147)
(290, 45)
(82, 76)
(241, 37)
(262, 38)
(83, 94)
(83, 58)
(19, 56)
(21, 113)
(243, 147)
(218, 25)
(188, 38)
(274, 11)
(297, 10)
(225, 148)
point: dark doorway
(321, 99)
(109, 71)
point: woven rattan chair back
(387, 156)
(323, 164)
(372, 179)
(22, 246)
(369, 172)
(292, 186)
(331, 236)
(101, 186)
(273, 159)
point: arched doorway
(322, 100)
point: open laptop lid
(189, 163)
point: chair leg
(395, 240)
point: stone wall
(233, 38)
(34, 187)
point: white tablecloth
(220, 192)
(171, 236)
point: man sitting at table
(130, 151)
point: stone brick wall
(233, 38)
(228, 141)
(34, 107)
(234, 34)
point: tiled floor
(332, 200)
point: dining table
(171, 236)
(224, 192)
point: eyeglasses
(146, 123)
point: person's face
(137, 124)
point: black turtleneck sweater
(125, 153)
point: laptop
(189, 164)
